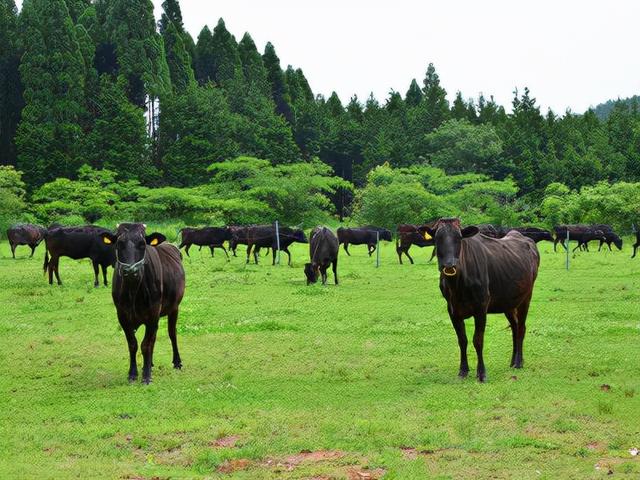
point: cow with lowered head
(264, 236)
(409, 235)
(323, 251)
(148, 283)
(25, 234)
(481, 275)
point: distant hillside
(604, 109)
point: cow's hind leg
(56, 266)
(346, 248)
(33, 250)
(399, 252)
(458, 325)
(334, 267)
(173, 320)
(150, 331)
(286, 250)
(478, 344)
(635, 249)
(104, 274)
(433, 254)
(406, 252)
(225, 252)
(13, 250)
(371, 249)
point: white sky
(570, 53)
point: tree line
(101, 83)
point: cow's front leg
(132, 343)
(458, 326)
(148, 343)
(478, 343)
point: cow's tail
(46, 260)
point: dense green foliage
(365, 372)
(101, 84)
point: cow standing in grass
(583, 234)
(481, 275)
(323, 251)
(77, 243)
(25, 234)
(212, 237)
(148, 283)
(264, 236)
(362, 236)
(409, 235)
(608, 236)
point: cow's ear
(155, 239)
(427, 232)
(108, 238)
(469, 231)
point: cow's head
(299, 236)
(546, 235)
(448, 241)
(131, 243)
(617, 241)
(385, 235)
(311, 273)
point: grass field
(281, 380)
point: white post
(567, 247)
(377, 249)
(277, 243)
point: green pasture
(281, 380)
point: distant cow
(362, 236)
(148, 283)
(534, 233)
(25, 234)
(583, 234)
(77, 243)
(481, 275)
(409, 235)
(264, 236)
(323, 251)
(491, 230)
(212, 237)
(609, 236)
(239, 237)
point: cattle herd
(483, 269)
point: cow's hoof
(463, 373)
(482, 377)
(177, 366)
(133, 378)
(146, 381)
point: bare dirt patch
(230, 466)
(229, 441)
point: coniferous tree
(131, 29)
(226, 68)
(77, 8)
(254, 71)
(279, 90)
(178, 59)
(171, 14)
(414, 94)
(11, 101)
(436, 106)
(459, 107)
(205, 57)
(49, 134)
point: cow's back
(505, 269)
(323, 245)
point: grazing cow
(261, 236)
(212, 237)
(637, 244)
(362, 236)
(481, 275)
(323, 251)
(77, 243)
(148, 283)
(609, 236)
(25, 234)
(583, 234)
(409, 235)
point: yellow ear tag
(427, 236)
(154, 242)
(107, 240)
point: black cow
(609, 236)
(239, 237)
(409, 235)
(323, 251)
(212, 237)
(148, 283)
(25, 234)
(77, 243)
(366, 235)
(534, 233)
(481, 275)
(583, 234)
(491, 230)
(261, 236)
